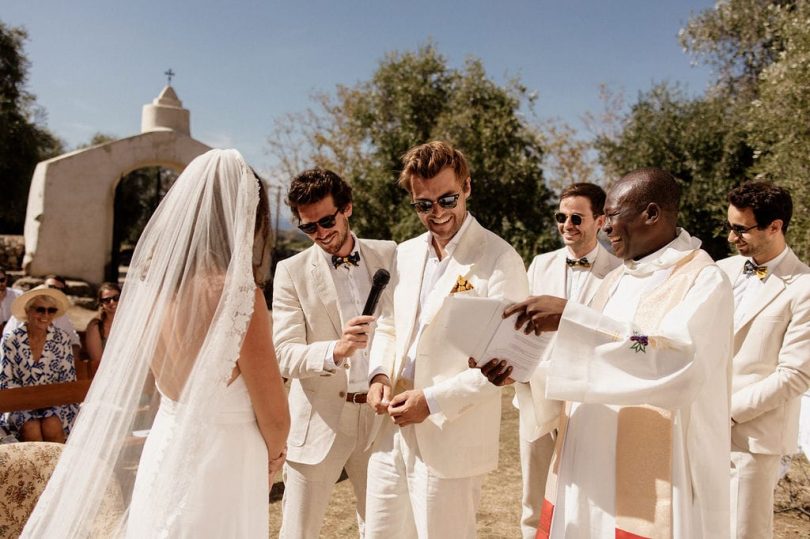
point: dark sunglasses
(323, 222)
(43, 310)
(560, 217)
(447, 202)
(739, 230)
(110, 299)
(2, 279)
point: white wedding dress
(182, 319)
(229, 495)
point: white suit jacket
(771, 366)
(462, 439)
(306, 319)
(547, 276)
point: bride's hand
(275, 464)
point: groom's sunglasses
(323, 222)
(447, 202)
(560, 217)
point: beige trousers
(753, 480)
(406, 499)
(535, 457)
(307, 488)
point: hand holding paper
(475, 326)
(537, 313)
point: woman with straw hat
(37, 353)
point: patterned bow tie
(581, 262)
(751, 269)
(350, 260)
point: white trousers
(308, 487)
(535, 457)
(406, 499)
(753, 481)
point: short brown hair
(427, 160)
(591, 191)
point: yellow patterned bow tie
(752, 269)
(349, 261)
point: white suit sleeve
(296, 357)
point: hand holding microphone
(355, 334)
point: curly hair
(769, 202)
(315, 184)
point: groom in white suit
(771, 366)
(573, 272)
(321, 339)
(441, 435)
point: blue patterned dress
(55, 365)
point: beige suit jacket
(306, 319)
(547, 276)
(461, 440)
(771, 366)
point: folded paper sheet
(475, 327)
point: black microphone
(378, 284)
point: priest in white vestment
(645, 371)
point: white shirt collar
(591, 255)
(773, 263)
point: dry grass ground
(499, 514)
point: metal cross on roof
(169, 74)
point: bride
(192, 332)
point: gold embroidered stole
(644, 433)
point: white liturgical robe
(683, 367)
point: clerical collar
(666, 256)
(454, 241)
(591, 255)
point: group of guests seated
(40, 346)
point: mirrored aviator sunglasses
(447, 202)
(323, 222)
(560, 217)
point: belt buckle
(354, 398)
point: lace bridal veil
(184, 312)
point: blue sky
(240, 64)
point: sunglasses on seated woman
(43, 310)
(448, 202)
(110, 299)
(323, 222)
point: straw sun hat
(18, 306)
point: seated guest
(37, 353)
(62, 322)
(98, 329)
(7, 296)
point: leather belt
(357, 398)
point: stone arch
(69, 220)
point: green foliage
(23, 140)
(361, 132)
(137, 196)
(754, 123)
(779, 122)
(698, 141)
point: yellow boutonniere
(462, 285)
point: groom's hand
(379, 394)
(409, 407)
